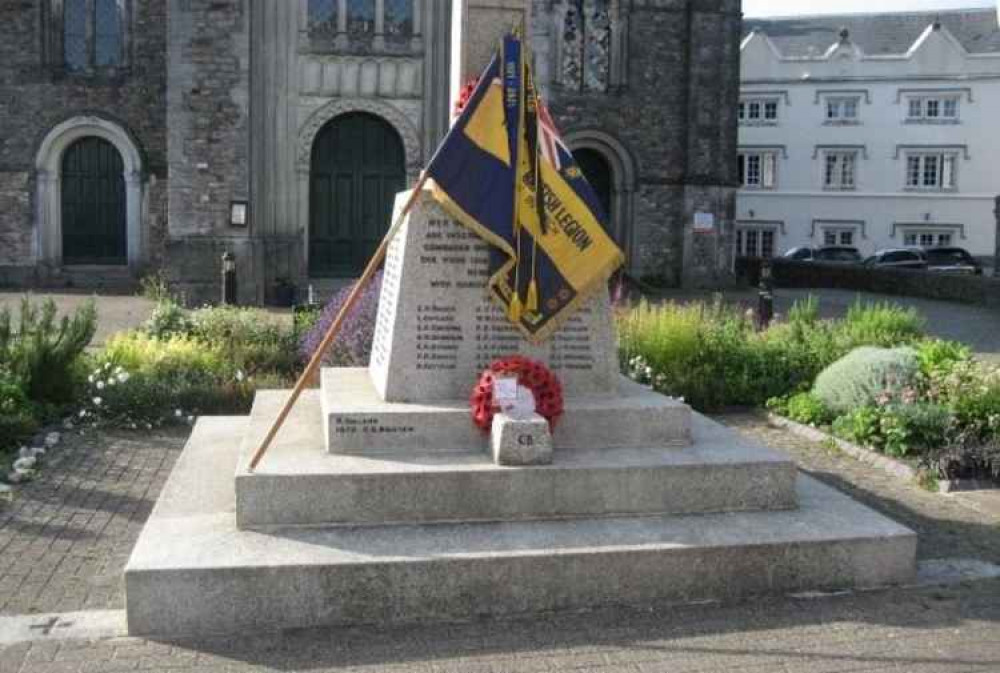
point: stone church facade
(144, 135)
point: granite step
(359, 422)
(193, 571)
(298, 483)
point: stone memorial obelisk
(438, 329)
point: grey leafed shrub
(353, 345)
(864, 375)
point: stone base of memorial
(380, 500)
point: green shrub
(42, 353)
(18, 416)
(808, 409)
(861, 426)
(713, 356)
(865, 375)
(168, 319)
(879, 324)
(142, 381)
(907, 429)
(938, 357)
(251, 340)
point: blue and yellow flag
(504, 172)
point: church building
(143, 136)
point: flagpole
(334, 330)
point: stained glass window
(75, 34)
(323, 15)
(361, 16)
(398, 17)
(107, 33)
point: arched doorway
(357, 167)
(93, 204)
(597, 170)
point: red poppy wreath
(533, 375)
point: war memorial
(422, 489)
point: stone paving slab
(927, 630)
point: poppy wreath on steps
(533, 375)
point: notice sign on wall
(704, 223)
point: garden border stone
(897, 468)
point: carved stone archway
(624, 179)
(47, 241)
(403, 125)
(406, 129)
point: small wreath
(533, 375)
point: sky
(794, 7)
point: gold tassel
(514, 310)
(531, 303)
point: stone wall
(670, 110)
(208, 122)
(36, 94)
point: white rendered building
(873, 131)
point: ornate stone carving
(403, 125)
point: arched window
(585, 30)
(93, 33)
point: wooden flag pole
(334, 330)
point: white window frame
(754, 236)
(928, 237)
(843, 175)
(842, 235)
(931, 171)
(837, 107)
(931, 109)
(759, 111)
(765, 171)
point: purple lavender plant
(353, 346)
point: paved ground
(64, 541)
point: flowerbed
(943, 417)
(714, 357)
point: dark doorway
(358, 166)
(93, 204)
(597, 170)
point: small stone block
(518, 442)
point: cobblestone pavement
(66, 537)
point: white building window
(755, 242)
(840, 170)
(757, 169)
(758, 111)
(931, 170)
(842, 110)
(928, 238)
(839, 236)
(933, 109)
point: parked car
(952, 260)
(897, 258)
(838, 254)
(830, 254)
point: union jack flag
(550, 142)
